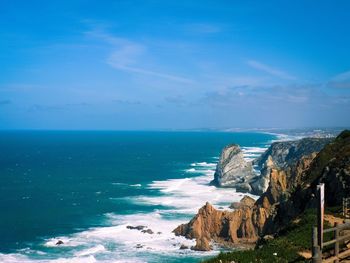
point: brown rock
(202, 244)
(246, 201)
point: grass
(294, 238)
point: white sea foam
(135, 185)
(93, 250)
(251, 153)
(127, 185)
(203, 164)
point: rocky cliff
(232, 170)
(290, 192)
(280, 155)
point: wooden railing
(346, 207)
(338, 239)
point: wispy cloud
(341, 81)
(270, 70)
(127, 56)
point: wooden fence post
(336, 244)
(316, 251)
(320, 213)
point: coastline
(168, 203)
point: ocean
(85, 188)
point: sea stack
(232, 170)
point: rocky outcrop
(286, 153)
(281, 155)
(232, 170)
(291, 190)
(246, 201)
(223, 227)
(332, 167)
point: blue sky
(174, 64)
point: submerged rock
(148, 231)
(183, 246)
(136, 227)
(232, 170)
(59, 242)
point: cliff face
(232, 170)
(290, 191)
(281, 155)
(332, 167)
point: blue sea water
(85, 187)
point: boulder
(59, 242)
(202, 244)
(148, 231)
(136, 227)
(183, 246)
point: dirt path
(332, 219)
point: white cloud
(341, 80)
(127, 56)
(270, 70)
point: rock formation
(290, 192)
(245, 201)
(224, 227)
(232, 170)
(280, 155)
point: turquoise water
(85, 187)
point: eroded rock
(232, 170)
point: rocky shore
(294, 169)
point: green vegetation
(294, 238)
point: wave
(203, 164)
(127, 185)
(251, 153)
